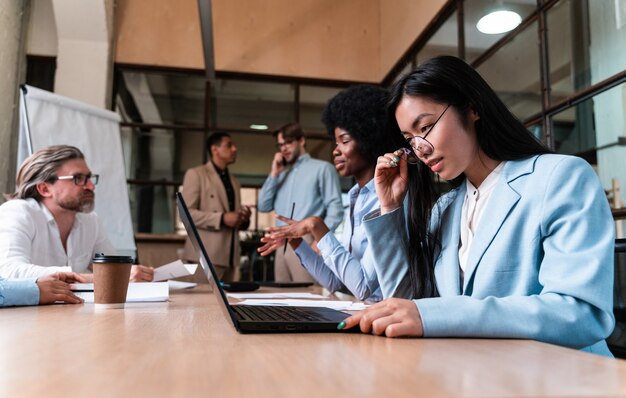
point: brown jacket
(206, 198)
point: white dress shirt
(476, 200)
(30, 243)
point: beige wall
(80, 35)
(42, 31)
(83, 50)
(324, 39)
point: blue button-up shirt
(312, 184)
(18, 292)
(347, 262)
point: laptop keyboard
(271, 313)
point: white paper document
(280, 295)
(81, 287)
(179, 285)
(175, 269)
(336, 305)
(137, 292)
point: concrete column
(12, 64)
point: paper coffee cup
(110, 280)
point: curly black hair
(361, 111)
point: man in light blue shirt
(43, 290)
(308, 186)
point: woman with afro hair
(356, 118)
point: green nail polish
(341, 325)
(393, 164)
(396, 159)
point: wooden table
(186, 348)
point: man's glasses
(420, 144)
(79, 179)
(282, 144)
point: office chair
(617, 340)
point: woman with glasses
(521, 247)
(356, 119)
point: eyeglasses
(282, 144)
(420, 144)
(409, 155)
(79, 179)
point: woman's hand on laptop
(392, 317)
(141, 273)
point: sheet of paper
(137, 292)
(175, 269)
(336, 305)
(82, 287)
(357, 307)
(179, 285)
(281, 295)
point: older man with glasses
(299, 186)
(48, 225)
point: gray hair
(40, 167)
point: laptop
(259, 319)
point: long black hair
(500, 135)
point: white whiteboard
(53, 120)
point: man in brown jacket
(214, 202)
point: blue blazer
(540, 266)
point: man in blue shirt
(43, 290)
(308, 186)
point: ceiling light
(498, 21)
(258, 126)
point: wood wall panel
(159, 32)
(353, 40)
(325, 39)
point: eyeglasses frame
(286, 142)
(89, 177)
(417, 138)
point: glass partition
(444, 42)
(513, 72)
(161, 98)
(586, 44)
(477, 42)
(313, 100)
(596, 130)
(242, 103)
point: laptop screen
(205, 261)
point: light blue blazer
(540, 266)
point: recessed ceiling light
(499, 21)
(258, 126)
